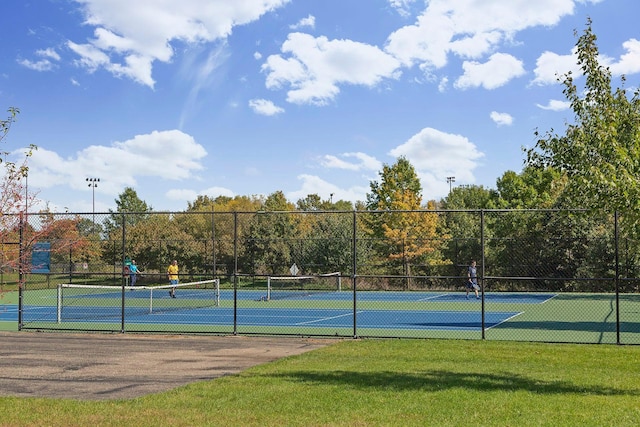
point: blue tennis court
(365, 296)
(274, 317)
(395, 296)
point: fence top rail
(301, 212)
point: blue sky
(247, 97)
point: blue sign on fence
(41, 258)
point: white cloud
(496, 72)
(442, 86)
(43, 64)
(265, 107)
(402, 6)
(440, 154)
(555, 105)
(364, 162)
(167, 155)
(130, 36)
(630, 61)
(501, 119)
(309, 21)
(48, 53)
(469, 29)
(199, 67)
(314, 67)
(90, 57)
(477, 45)
(550, 66)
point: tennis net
(78, 301)
(284, 287)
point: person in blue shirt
(133, 273)
(472, 279)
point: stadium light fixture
(93, 183)
(450, 180)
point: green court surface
(549, 317)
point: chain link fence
(544, 275)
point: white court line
(434, 297)
(549, 299)
(328, 318)
(28, 308)
(505, 320)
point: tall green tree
(127, 202)
(272, 234)
(462, 223)
(397, 181)
(324, 237)
(130, 209)
(599, 151)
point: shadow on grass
(570, 326)
(443, 380)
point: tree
(399, 178)
(271, 235)
(404, 235)
(127, 202)
(130, 209)
(5, 125)
(533, 188)
(462, 223)
(599, 152)
(313, 202)
(13, 198)
(13, 204)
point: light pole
(93, 183)
(450, 180)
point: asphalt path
(125, 366)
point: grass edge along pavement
(385, 382)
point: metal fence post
(124, 254)
(20, 272)
(354, 273)
(482, 254)
(235, 273)
(616, 242)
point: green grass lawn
(385, 382)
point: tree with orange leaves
(405, 231)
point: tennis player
(472, 279)
(172, 274)
(133, 272)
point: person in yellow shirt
(172, 274)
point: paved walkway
(104, 366)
